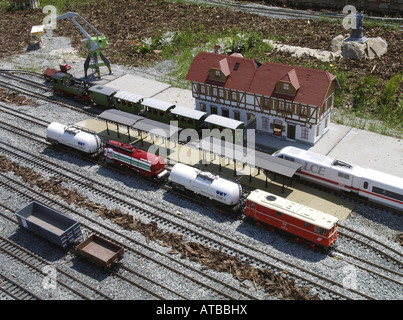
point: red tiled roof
(291, 77)
(237, 80)
(311, 84)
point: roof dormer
(289, 84)
(221, 73)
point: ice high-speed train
(377, 186)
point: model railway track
(390, 253)
(26, 81)
(285, 13)
(243, 244)
(350, 195)
(15, 290)
(37, 263)
(43, 97)
(226, 292)
(392, 257)
(250, 253)
(28, 118)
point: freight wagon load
(74, 137)
(206, 184)
(49, 224)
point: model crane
(93, 44)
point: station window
(203, 107)
(308, 225)
(286, 86)
(225, 113)
(213, 110)
(304, 132)
(265, 123)
(237, 115)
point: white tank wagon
(374, 185)
(74, 137)
(206, 184)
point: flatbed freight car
(49, 224)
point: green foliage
(7, 5)
(69, 5)
(365, 96)
(391, 103)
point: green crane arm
(93, 46)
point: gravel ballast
(377, 223)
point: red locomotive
(305, 224)
(145, 163)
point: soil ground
(123, 21)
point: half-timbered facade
(286, 101)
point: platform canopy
(140, 123)
(157, 128)
(249, 156)
(120, 117)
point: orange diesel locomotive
(305, 224)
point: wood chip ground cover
(125, 21)
(274, 284)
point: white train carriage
(74, 137)
(374, 185)
(206, 184)
(382, 188)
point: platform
(363, 148)
(248, 176)
(142, 86)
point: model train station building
(287, 101)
